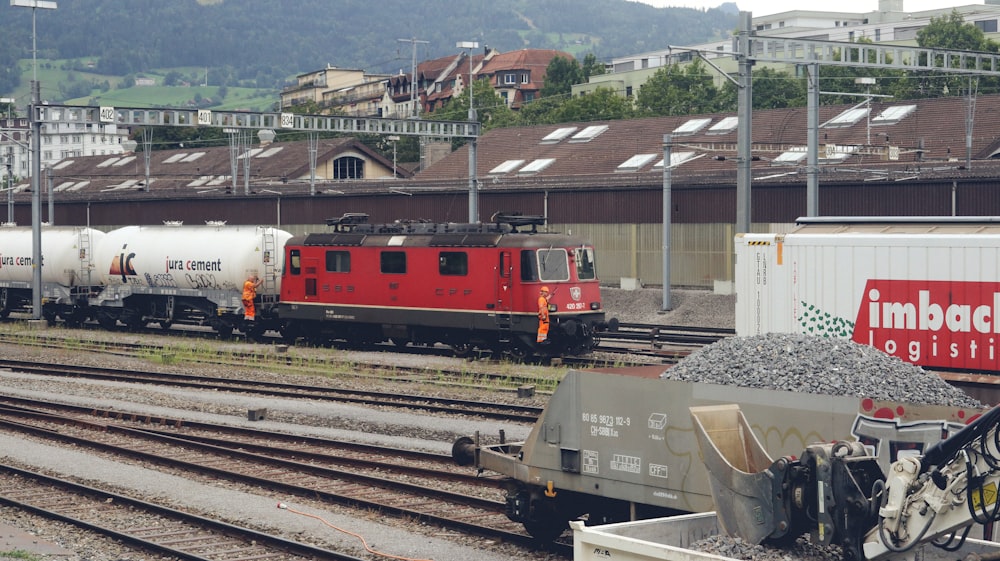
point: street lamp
(36, 163)
(469, 45)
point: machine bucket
(740, 474)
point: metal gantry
(145, 117)
(752, 48)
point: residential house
(518, 76)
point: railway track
(405, 484)
(429, 404)
(148, 526)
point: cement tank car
(67, 276)
(187, 274)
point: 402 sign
(108, 115)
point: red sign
(942, 324)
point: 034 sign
(949, 324)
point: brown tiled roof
(523, 59)
(281, 165)
(933, 134)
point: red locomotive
(470, 286)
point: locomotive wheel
(165, 325)
(462, 350)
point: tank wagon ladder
(270, 258)
(86, 259)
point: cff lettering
(950, 324)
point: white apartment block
(58, 142)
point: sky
(768, 7)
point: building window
(348, 167)
(878, 34)
(524, 78)
(987, 25)
(510, 78)
(628, 91)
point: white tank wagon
(67, 272)
(187, 274)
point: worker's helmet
(545, 289)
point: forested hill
(262, 42)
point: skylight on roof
(536, 166)
(676, 159)
(791, 157)
(123, 161)
(506, 167)
(589, 133)
(270, 152)
(893, 115)
(635, 163)
(175, 158)
(108, 162)
(192, 157)
(728, 124)
(692, 126)
(847, 118)
(559, 134)
(61, 164)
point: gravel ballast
(818, 365)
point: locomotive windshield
(553, 264)
(585, 268)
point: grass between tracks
(310, 361)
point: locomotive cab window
(529, 266)
(453, 263)
(553, 264)
(294, 262)
(338, 262)
(393, 262)
(584, 259)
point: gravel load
(801, 550)
(818, 365)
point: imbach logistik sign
(949, 324)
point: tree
(603, 104)
(560, 76)
(677, 90)
(592, 66)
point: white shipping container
(66, 254)
(925, 291)
(192, 257)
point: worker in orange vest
(249, 294)
(543, 315)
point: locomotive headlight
(595, 305)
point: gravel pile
(689, 308)
(817, 365)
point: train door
(505, 292)
(310, 270)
